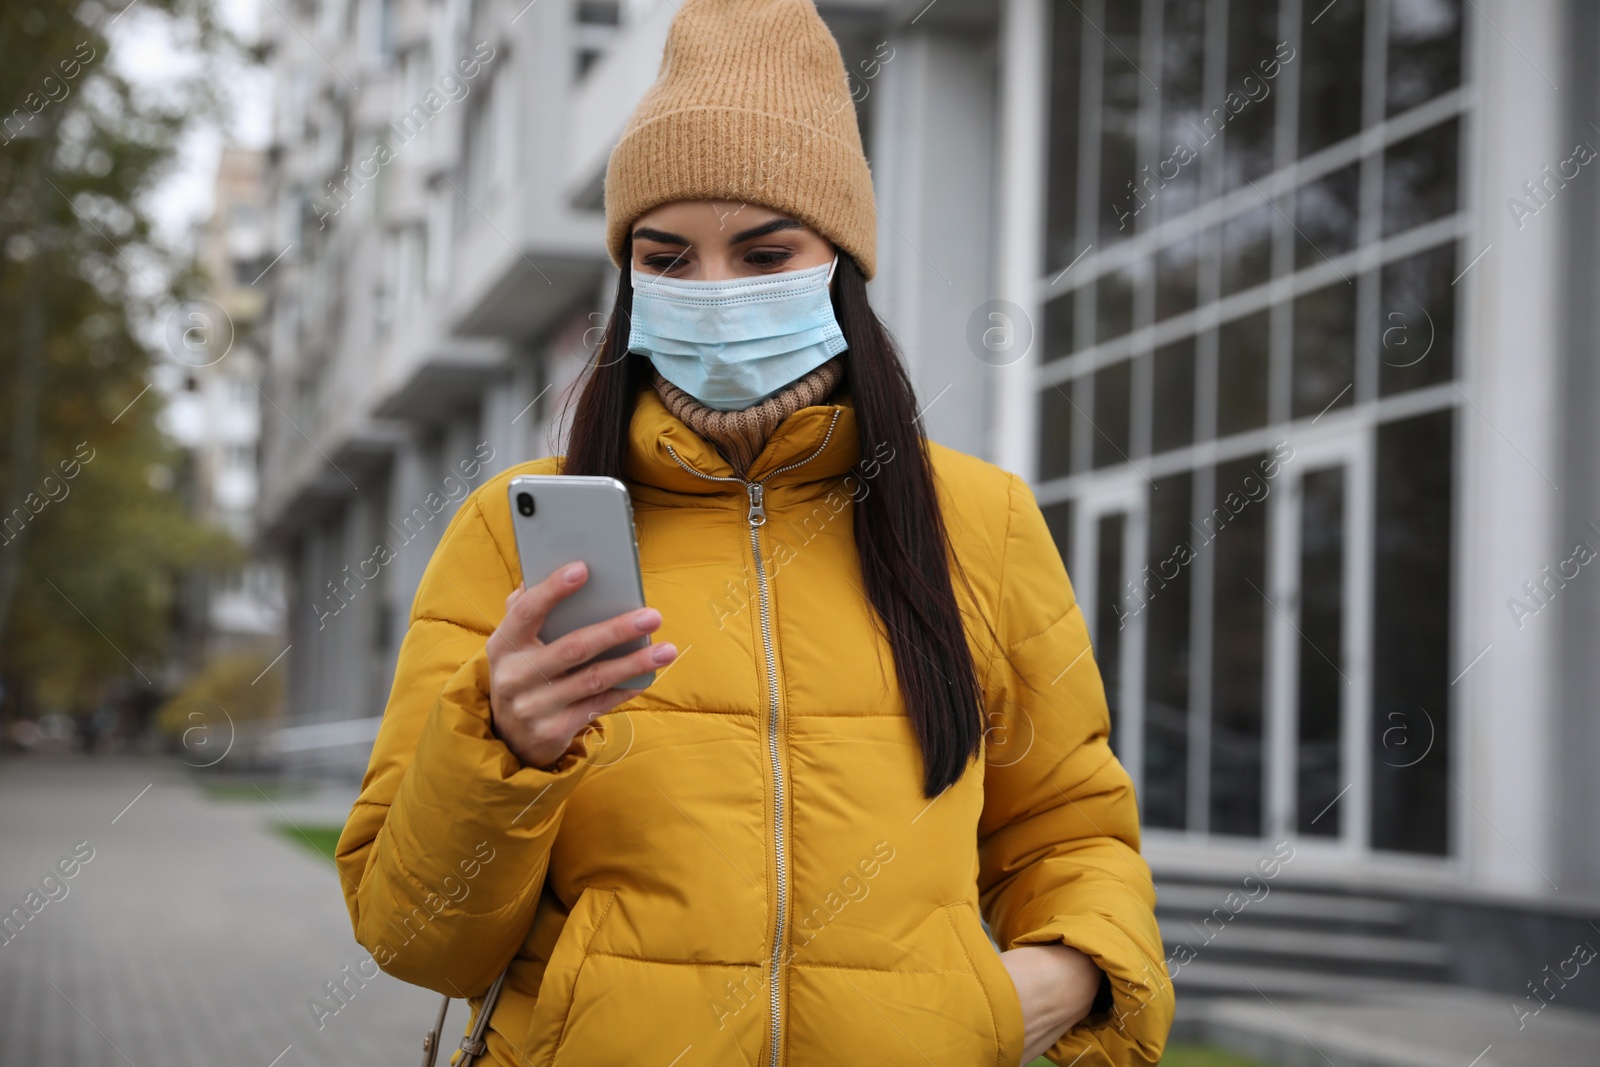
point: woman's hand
(542, 695)
(1057, 986)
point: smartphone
(560, 519)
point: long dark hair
(906, 561)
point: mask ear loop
(829, 279)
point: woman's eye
(768, 257)
(664, 262)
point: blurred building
(1284, 307)
(214, 411)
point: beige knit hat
(752, 104)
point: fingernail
(663, 653)
(647, 620)
(573, 573)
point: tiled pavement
(196, 935)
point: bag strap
(473, 1045)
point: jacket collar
(820, 439)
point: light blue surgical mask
(730, 344)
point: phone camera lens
(525, 503)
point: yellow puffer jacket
(738, 866)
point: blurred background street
(203, 930)
(1285, 309)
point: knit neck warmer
(741, 435)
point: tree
(93, 535)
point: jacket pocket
(549, 1022)
(1005, 1010)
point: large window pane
(1416, 321)
(1066, 66)
(1172, 415)
(1177, 278)
(1327, 213)
(1324, 350)
(1323, 682)
(1238, 525)
(1113, 306)
(1119, 120)
(1113, 402)
(1058, 520)
(1056, 418)
(1163, 599)
(1419, 178)
(1058, 320)
(1183, 138)
(1242, 349)
(1330, 57)
(1411, 636)
(1250, 102)
(1424, 51)
(1108, 616)
(1247, 249)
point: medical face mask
(730, 344)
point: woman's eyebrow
(765, 228)
(660, 235)
(776, 225)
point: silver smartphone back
(559, 519)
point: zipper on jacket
(757, 518)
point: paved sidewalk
(1450, 1028)
(196, 935)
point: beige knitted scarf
(741, 435)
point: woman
(875, 716)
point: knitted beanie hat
(752, 104)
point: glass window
(1119, 119)
(1237, 525)
(1061, 207)
(1058, 519)
(1330, 52)
(1250, 103)
(1163, 599)
(1177, 276)
(1322, 682)
(1172, 402)
(1324, 350)
(1424, 51)
(1247, 249)
(1411, 636)
(1183, 63)
(1107, 614)
(1416, 321)
(1327, 213)
(1056, 418)
(1242, 367)
(1113, 306)
(1058, 319)
(1113, 403)
(1419, 178)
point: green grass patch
(1189, 1055)
(319, 839)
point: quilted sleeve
(445, 852)
(1059, 835)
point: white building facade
(1285, 308)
